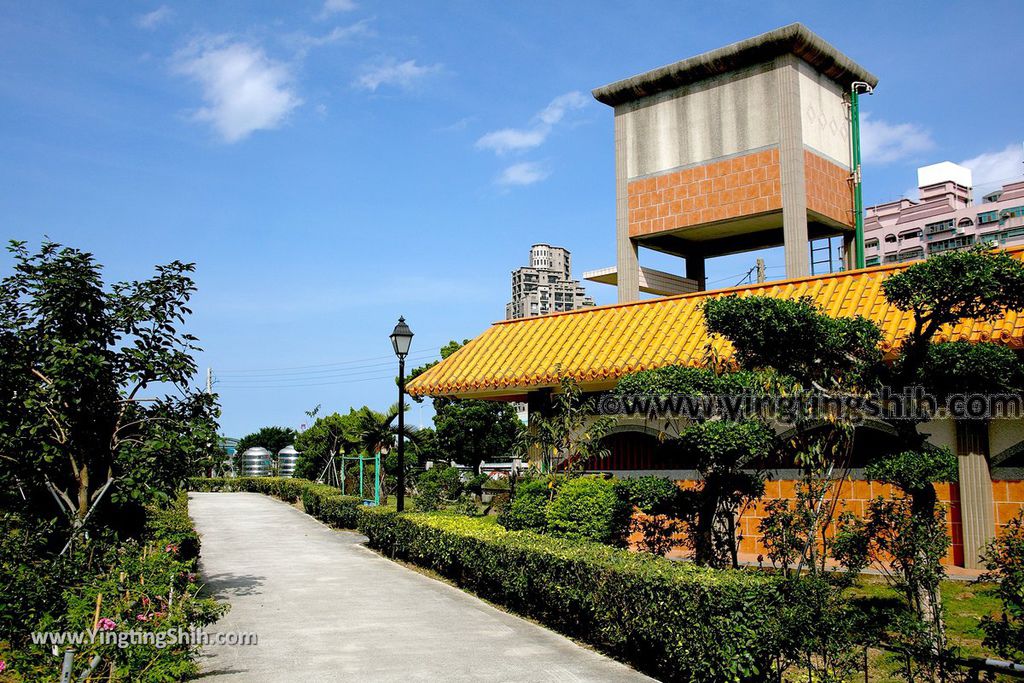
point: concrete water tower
(744, 147)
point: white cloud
(335, 6)
(516, 139)
(304, 42)
(151, 20)
(997, 168)
(523, 173)
(392, 72)
(244, 90)
(882, 142)
(509, 139)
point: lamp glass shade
(401, 338)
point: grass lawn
(965, 604)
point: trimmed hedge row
(673, 620)
(318, 500)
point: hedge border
(320, 501)
(672, 620)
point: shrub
(1004, 559)
(147, 584)
(589, 509)
(528, 506)
(438, 486)
(653, 495)
(672, 620)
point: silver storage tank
(287, 458)
(256, 462)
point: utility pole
(209, 380)
(760, 270)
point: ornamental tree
(98, 413)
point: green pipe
(858, 199)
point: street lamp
(401, 340)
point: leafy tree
(377, 432)
(795, 338)
(572, 434)
(970, 367)
(84, 422)
(470, 431)
(977, 284)
(723, 452)
(271, 438)
(330, 435)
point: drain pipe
(858, 200)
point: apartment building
(545, 285)
(945, 217)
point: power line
(326, 372)
(308, 384)
(433, 349)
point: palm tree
(377, 433)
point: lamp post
(401, 340)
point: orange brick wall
(829, 191)
(1008, 498)
(853, 497)
(741, 186)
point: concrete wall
(688, 126)
(825, 116)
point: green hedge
(672, 620)
(318, 500)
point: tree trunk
(83, 494)
(922, 506)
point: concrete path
(326, 608)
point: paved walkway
(328, 609)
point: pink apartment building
(945, 217)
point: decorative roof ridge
(794, 39)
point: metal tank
(287, 458)
(256, 462)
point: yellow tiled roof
(597, 346)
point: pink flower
(3, 665)
(171, 548)
(141, 617)
(105, 624)
(145, 601)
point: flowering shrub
(140, 585)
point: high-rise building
(945, 217)
(546, 285)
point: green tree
(470, 431)
(98, 413)
(330, 435)
(572, 434)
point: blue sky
(331, 165)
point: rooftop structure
(744, 147)
(546, 285)
(943, 218)
(597, 346)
